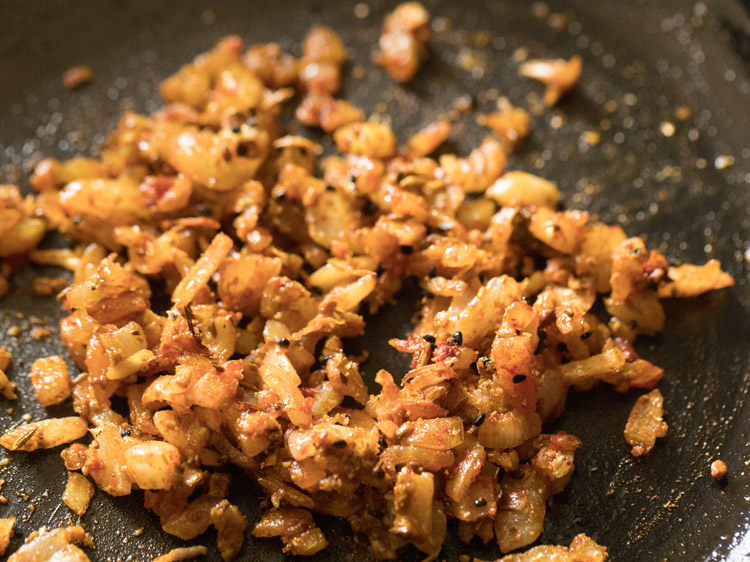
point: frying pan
(641, 62)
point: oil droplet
(361, 11)
(667, 128)
(724, 161)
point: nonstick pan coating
(642, 60)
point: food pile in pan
(269, 256)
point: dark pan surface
(641, 61)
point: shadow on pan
(641, 62)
